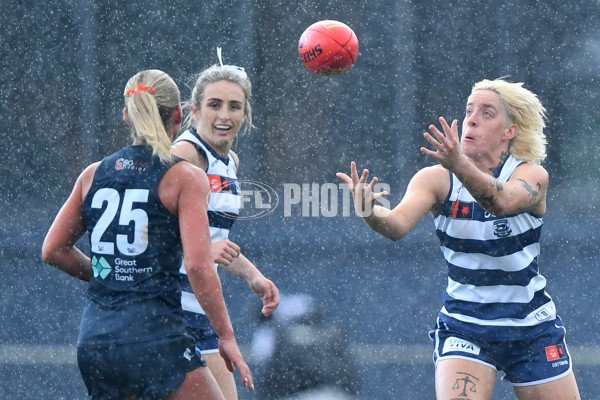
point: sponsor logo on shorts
(188, 354)
(542, 314)
(456, 344)
(555, 353)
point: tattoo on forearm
(532, 192)
(487, 201)
(466, 384)
(497, 184)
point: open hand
(362, 192)
(447, 145)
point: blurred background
(370, 302)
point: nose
(471, 120)
(223, 113)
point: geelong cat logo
(502, 228)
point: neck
(221, 147)
(503, 156)
(490, 165)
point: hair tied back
(141, 88)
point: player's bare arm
(263, 287)
(59, 245)
(425, 192)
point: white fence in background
(367, 354)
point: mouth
(223, 129)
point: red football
(328, 47)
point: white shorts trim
(475, 360)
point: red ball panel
(328, 48)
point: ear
(126, 116)
(194, 112)
(511, 131)
(177, 115)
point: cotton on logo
(555, 352)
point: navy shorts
(147, 370)
(538, 359)
(205, 336)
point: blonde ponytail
(151, 97)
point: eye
(235, 106)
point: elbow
(499, 210)
(199, 270)
(394, 233)
(48, 253)
(395, 237)
(53, 254)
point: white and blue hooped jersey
(494, 284)
(223, 206)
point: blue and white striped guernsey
(223, 206)
(494, 283)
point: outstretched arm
(425, 191)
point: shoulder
(531, 182)
(87, 177)
(182, 179)
(434, 171)
(532, 170)
(186, 171)
(189, 151)
(90, 170)
(531, 176)
(432, 182)
(434, 176)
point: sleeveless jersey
(134, 294)
(223, 208)
(494, 287)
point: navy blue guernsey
(134, 294)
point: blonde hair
(151, 97)
(523, 108)
(214, 74)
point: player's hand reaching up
(447, 144)
(362, 192)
